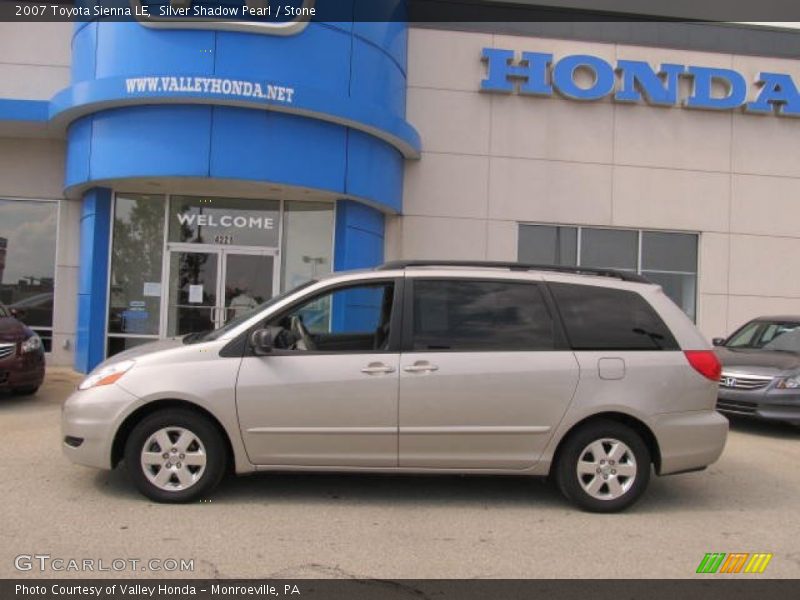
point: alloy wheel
(173, 459)
(606, 469)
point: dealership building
(155, 180)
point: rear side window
(480, 316)
(597, 318)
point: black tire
(577, 444)
(207, 437)
(26, 391)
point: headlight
(789, 383)
(106, 375)
(32, 344)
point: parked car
(21, 355)
(761, 370)
(589, 376)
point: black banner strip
(414, 11)
(707, 587)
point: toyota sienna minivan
(592, 377)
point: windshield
(767, 335)
(208, 336)
(787, 342)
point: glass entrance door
(250, 279)
(208, 286)
(193, 291)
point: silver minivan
(592, 377)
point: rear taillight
(705, 362)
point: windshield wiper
(195, 337)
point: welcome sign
(222, 221)
(237, 221)
(631, 81)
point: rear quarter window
(597, 318)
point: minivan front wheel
(175, 455)
(603, 467)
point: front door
(209, 285)
(193, 290)
(221, 260)
(483, 382)
(248, 279)
(327, 393)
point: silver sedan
(761, 370)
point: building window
(609, 248)
(546, 245)
(134, 306)
(666, 258)
(27, 262)
(307, 242)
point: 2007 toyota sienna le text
(592, 377)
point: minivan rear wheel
(175, 455)
(603, 467)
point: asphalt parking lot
(287, 526)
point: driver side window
(347, 319)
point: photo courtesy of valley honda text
(156, 179)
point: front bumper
(89, 422)
(770, 405)
(689, 441)
(23, 371)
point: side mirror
(261, 341)
(718, 341)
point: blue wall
(343, 132)
(93, 278)
(359, 244)
(359, 236)
(233, 143)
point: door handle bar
(375, 369)
(421, 368)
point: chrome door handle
(420, 367)
(377, 368)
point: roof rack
(513, 266)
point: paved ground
(393, 527)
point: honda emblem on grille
(729, 381)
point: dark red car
(21, 356)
